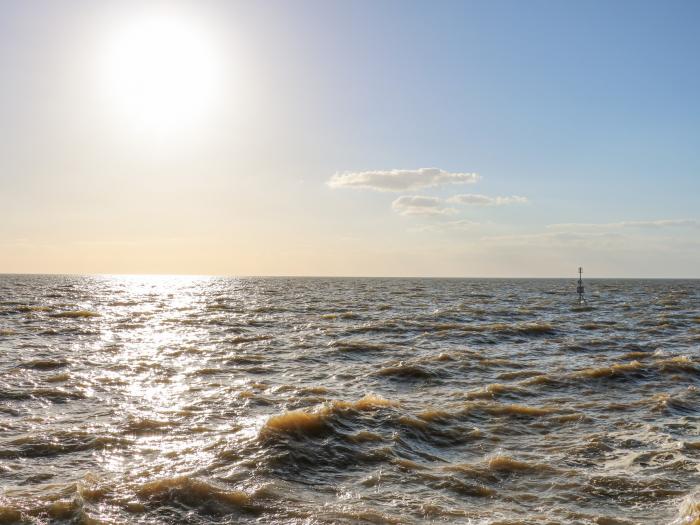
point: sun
(160, 73)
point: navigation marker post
(579, 288)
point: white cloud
(661, 223)
(421, 205)
(418, 205)
(459, 225)
(485, 200)
(400, 180)
(599, 240)
(611, 240)
(665, 223)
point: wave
(508, 464)
(683, 403)
(55, 509)
(494, 390)
(57, 378)
(76, 314)
(72, 502)
(487, 410)
(582, 308)
(296, 421)
(435, 414)
(525, 328)
(498, 362)
(498, 409)
(33, 308)
(192, 492)
(341, 315)
(248, 339)
(631, 490)
(521, 374)
(531, 329)
(620, 372)
(678, 364)
(689, 510)
(482, 479)
(56, 444)
(353, 345)
(406, 372)
(122, 303)
(638, 369)
(146, 426)
(315, 444)
(305, 422)
(56, 395)
(44, 364)
(377, 327)
(632, 368)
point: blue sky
(588, 111)
(600, 97)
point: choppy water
(211, 400)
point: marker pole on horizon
(579, 288)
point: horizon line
(308, 276)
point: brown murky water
(212, 400)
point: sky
(366, 138)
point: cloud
(400, 180)
(599, 240)
(418, 205)
(613, 240)
(485, 200)
(664, 223)
(458, 225)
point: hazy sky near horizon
(466, 138)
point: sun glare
(160, 73)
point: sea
(210, 400)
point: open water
(167, 400)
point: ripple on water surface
(211, 400)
